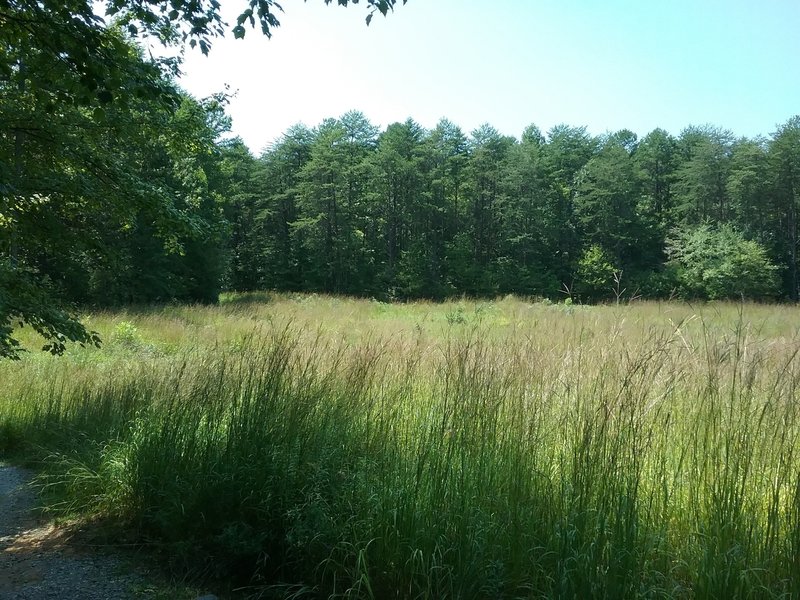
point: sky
(603, 64)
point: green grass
(304, 446)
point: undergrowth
(605, 453)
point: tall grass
(328, 447)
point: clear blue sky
(606, 64)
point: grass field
(305, 446)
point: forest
(409, 213)
(117, 187)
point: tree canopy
(107, 169)
(409, 213)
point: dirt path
(38, 563)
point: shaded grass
(327, 447)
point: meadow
(313, 446)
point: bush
(719, 263)
(595, 274)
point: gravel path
(37, 563)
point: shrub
(595, 274)
(719, 263)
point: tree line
(412, 213)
